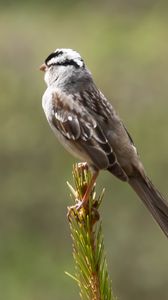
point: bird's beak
(43, 67)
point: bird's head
(60, 63)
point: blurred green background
(125, 44)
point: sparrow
(87, 125)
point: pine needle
(91, 272)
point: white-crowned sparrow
(88, 126)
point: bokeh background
(125, 44)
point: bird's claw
(77, 209)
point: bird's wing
(78, 126)
(98, 105)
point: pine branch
(88, 245)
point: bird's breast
(47, 104)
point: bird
(88, 126)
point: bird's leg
(85, 189)
(89, 188)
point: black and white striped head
(61, 61)
(64, 57)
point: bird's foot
(83, 191)
(81, 209)
(78, 209)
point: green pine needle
(88, 245)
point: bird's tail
(152, 199)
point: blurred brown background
(125, 44)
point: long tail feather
(152, 199)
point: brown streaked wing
(75, 123)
